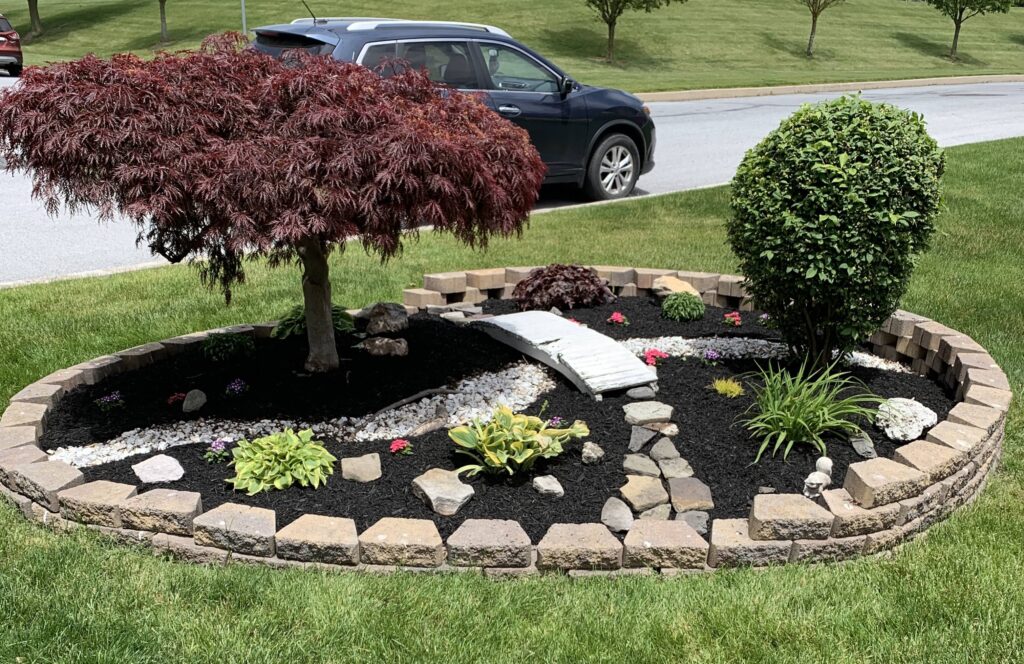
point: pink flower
(401, 446)
(618, 319)
(732, 319)
(652, 355)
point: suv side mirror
(568, 85)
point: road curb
(812, 88)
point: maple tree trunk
(956, 39)
(810, 40)
(316, 294)
(163, 22)
(610, 52)
(33, 12)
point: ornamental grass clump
(279, 461)
(682, 307)
(511, 442)
(729, 388)
(805, 407)
(830, 212)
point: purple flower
(236, 388)
(218, 445)
(555, 422)
(712, 355)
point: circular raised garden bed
(695, 500)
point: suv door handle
(510, 110)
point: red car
(10, 48)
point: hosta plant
(293, 324)
(682, 307)
(805, 407)
(511, 442)
(279, 461)
(562, 286)
(222, 347)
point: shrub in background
(830, 211)
(293, 324)
(562, 286)
(682, 307)
(227, 346)
(280, 460)
(511, 442)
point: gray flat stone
(669, 429)
(592, 453)
(616, 515)
(240, 528)
(364, 468)
(322, 539)
(490, 543)
(194, 401)
(664, 449)
(639, 437)
(640, 464)
(696, 519)
(647, 412)
(675, 468)
(643, 493)
(548, 485)
(161, 468)
(659, 513)
(863, 445)
(442, 490)
(689, 493)
(641, 393)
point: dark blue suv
(598, 138)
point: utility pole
(245, 28)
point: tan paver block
(579, 546)
(827, 550)
(44, 393)
(141, 356)
(928, 334)
(323, 539)
(901, 323)
(957, 436)
(162, 511)
(410, 542)
(981, 417)
(615, 274)
(100, 368)
(66, 378)
(983, 395)
(490, 543)
(22, 414)
(965, 361)
(445, 282)
(186, 549)
(930, 500)
(702, 281)
(851, 519)
(787, 516)
(11, 437)
(645, 276)
(513, 275)
(642, 492)
(959, 480)
(16, 456)
(936, 461)
(43, 481)
(883, 540)
(240, 528)
(994, 378)
(486, 279)
(422, 298)
(731, 546)
(98, 502)
(882, 481)
(659, 544)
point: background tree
(223, 153)
(960, 10)
(816, 7)
(163, 22)
(611, 10)
(33, 13)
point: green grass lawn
(699, 44)
(952, 597)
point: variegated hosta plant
(511, 442)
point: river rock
(161, 468)
(616, 515)
(382, 346)
(442, 490)
(548, 485)
(592, 453)
(194, 400)
(387, 317)
(639, 437)
(664, 449)
(640, 464)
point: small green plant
(511, 442)
(280, 460)
(227, 346)
(217, 452)
(682, 307)
(804, 407)
(728, 387)
(293, 324)
(109, 402)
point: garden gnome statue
(820, 479)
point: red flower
(618, 319)
(732, 319)
(652, 355)
(401, 446)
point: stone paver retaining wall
(880, 504)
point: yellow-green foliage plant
(511, 442)
(728, 387)
(279, 461)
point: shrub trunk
(316, 293)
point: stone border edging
(813, 88)
(881, 503)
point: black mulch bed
(646, 321)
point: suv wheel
(614, 168)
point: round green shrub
(682, 306)
(830, 211)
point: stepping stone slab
(788, 516)
(675, 468)
(18, 456)
(667, 429)
(647, 412)
(904, 419)
(408, 542)
(97, 503)
(321, 539)
(639, 437)
(664, 449)
(162, 511)
(442, 490)
(161, 468)
(851, 519)
(239, 528)
(194, 401)
(616, 515)
(697, 520)
(641, 393)
(936, 461)
(43, 481)
(659, 544)
(12, 437)
(689, 493)
(592, 453)
(364, 468)
(882, 481)
(661, 513)
(732, 547)
(490, 543)
(643, 493)
(579, 546)
(548, 485)
(640, 464)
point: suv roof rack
(357, 24)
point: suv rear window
(278, 42)
(5, 25)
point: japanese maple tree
(224, 153)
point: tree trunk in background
(163, 22)
(33, 12)
(610, 55)
(810, 41)
(316, 293)
(956, 39)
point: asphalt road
(700, 143)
